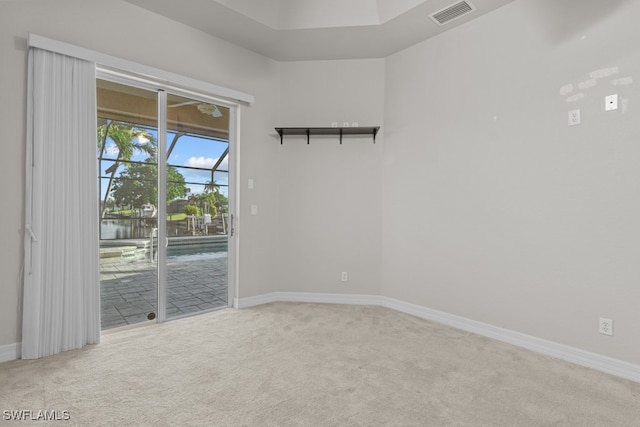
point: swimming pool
(192, 249)
(185, 248)
(196, 249)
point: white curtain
(61, 306)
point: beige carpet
(290, 364)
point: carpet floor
(299, 364)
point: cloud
(111, 150)
(207, 162)
(201, 162)
(204, 176)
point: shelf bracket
(308, 136)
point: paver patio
(128, 288)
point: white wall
(120, 29)
(476, 200)
(329, 218)
(494, 209)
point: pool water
(196, 252)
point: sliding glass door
(197, 157)
(127, 157)
(164, 203)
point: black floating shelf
(369, 130)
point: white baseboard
(580, 357)
(309, 297)
(10, 352)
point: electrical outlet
(345, 276)
(606, 326)
(574, 117)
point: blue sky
(188, 151)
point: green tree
(207, 202)
(128, 140)
(138, 185)
(221, 202)
(192, 210)
(210, 200)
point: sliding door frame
(163, 89)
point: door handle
(232, 229)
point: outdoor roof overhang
(139, 107)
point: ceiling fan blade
(182, 104)
(203, 107)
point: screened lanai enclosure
(164, 203)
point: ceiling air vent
(455, 11)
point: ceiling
(296, 30)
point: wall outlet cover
(605, 326)
(574, 117)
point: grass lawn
(177, 217)
(134, 212)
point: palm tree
(128, 139)
(211, 187)
(210, 196)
